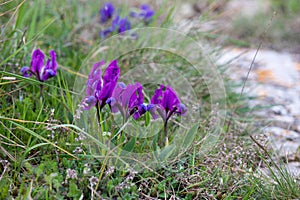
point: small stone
(294, 168)
(279, 110)
(285, 148)
(284, 142)
(200, 6)
(281, 133)
(284, 122)
(186, 11)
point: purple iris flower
(38, 68)
(166, 103)
(146, 13)
(106, 12)
(129, 100)
(118, 24)
(100, 88)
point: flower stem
(99, 118)
(41, 91)
(166, 133)
(98, 113)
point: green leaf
(74, 192)
(129, 145)
(39, 137)
(154, 143)
(147, 118)
(190, 136)
(21, 14)
(40, 170)
(166, 152)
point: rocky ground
(275, 82)
(274, 78)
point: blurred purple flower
(129, 100)
(121, 24)
(106, 12)
(118, 24)
(99, 88)
(166, 103)
(146, 13)
(38, 68)
(106, 32)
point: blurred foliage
(278, 27)
(289, 7)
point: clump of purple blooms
(129, 99)
(121, 24)
(100, 88)
(146, 13)
(118, 24)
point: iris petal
(110, 79)
(41, 71)
(158, 94)
(37, 61)
(52, 64)
(170, 99)
(88, 102)
(26, 71)
(142, 109)
(181, 109)
(152, 109)
(94, 82)
(47, 73)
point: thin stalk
(166, 126)
(166, 133)
(98, 113)
(41, 91)
(99, 118)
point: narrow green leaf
(21, 14)
(32, 26)
(23, 46)
(190, 136)
(129, 145)
(41, 138)
(167, 152)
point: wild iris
(39, 69)
(99, 88)
(129, 100)
(166, 103)
(106, 12)
(145, 14)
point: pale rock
(247, 8)
(279, 110)
(294, 168)
(285, 122)
(281, 133)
